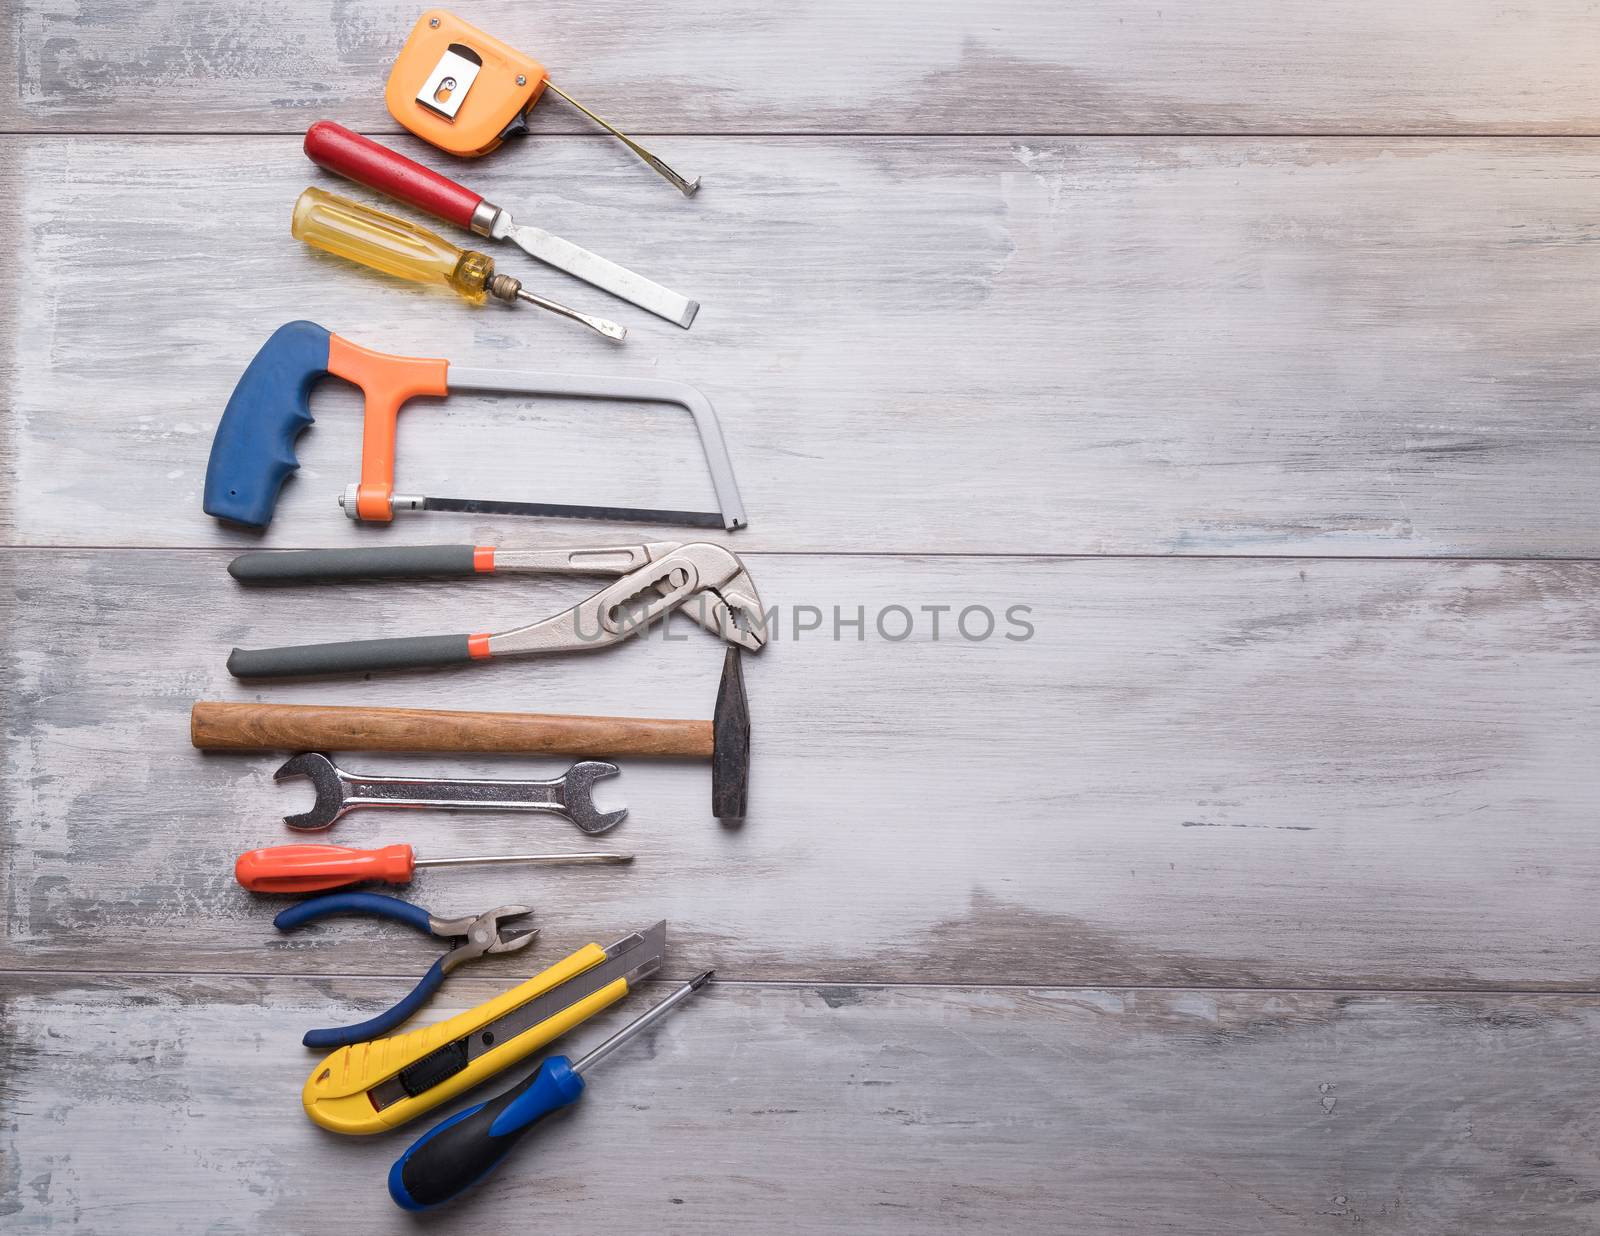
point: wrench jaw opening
(579, 797)
(325, 780)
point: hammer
(724, 740)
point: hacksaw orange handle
(386, 383)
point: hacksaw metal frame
(641, 390)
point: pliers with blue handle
(479, 935)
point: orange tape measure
(465, 91)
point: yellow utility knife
(381, 1084)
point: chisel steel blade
(594, 269)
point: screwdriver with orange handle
(312, 868)
(398, 247)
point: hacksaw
(252, 454)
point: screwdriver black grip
(288, 566)
(454, 1155)
(351, 656)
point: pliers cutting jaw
(704, 580)
(479, 934)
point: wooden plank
(1013, 66)
(1118, 346)
(1196, 771)
(843, 1109)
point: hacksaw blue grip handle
(376, 904)
(252, 453)
(376, 1027)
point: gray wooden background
(1251, 346)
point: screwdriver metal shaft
(641, 1024)
(607, 328)
(549, 860)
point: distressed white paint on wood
(172, 1104)
(939, 66)
(1198, 771)
(1117, 346)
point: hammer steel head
(730, 751)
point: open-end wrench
(339, 791)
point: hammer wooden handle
(216, 726)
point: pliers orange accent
(706, 581)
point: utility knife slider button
(434, 1068)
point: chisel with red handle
(364, 161)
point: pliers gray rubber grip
(479, 935)
(706, 581)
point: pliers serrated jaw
(736, 614)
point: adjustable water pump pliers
(706, 581)
(479, 936)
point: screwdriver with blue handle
(455, 1154)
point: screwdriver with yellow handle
(394, 246)
(312, 868)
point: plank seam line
(1035, 555)
(810, 984)
(1229, 135)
